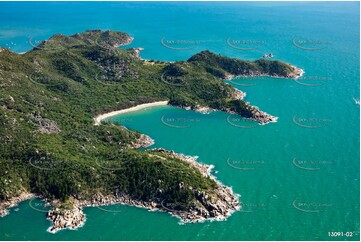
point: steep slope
(50, 146)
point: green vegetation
(49, 144)
(220, 66)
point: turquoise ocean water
(298, 178)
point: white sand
(99, 118)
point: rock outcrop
(12, 202)
(66, 218)
(218, 205)
(46, 126)
(143, 141)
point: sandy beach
(99, 118)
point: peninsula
(51, 97)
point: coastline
(99, 118)
(208, 210)
(297, 73)
(13, 202)
(227, 200)
(256, 114)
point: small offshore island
(56, 147)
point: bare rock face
(12, 202)
(66, 218)
(218, 205)
(202, 109)
(136, 52)
(3, 212)
(262, 117)
(46, 126)
(144, 141)
(238, 94)
(11, 99)
(296, 72)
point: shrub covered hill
(49, 96)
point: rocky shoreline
(14, 201)
(204, 209)
(66, 218)
(216, 206)
(296, 73)
(143, 141)
(226, 202)
(255, 113)
(198, 108)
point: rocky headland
(216, 206)
(14, 201)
